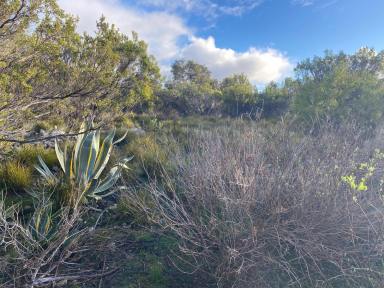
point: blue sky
(261, 38)
(302, 31)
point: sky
(263, 39)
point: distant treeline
(336, 87)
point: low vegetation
(112, 177)
(268, 208)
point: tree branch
(35, 140)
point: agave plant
(42, 226)
(84, 165)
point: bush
(266, 208)
(15, 176)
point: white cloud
(164, 30)
(261, 66)
(207, 8)
(303, 3)
(161, 30)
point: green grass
(28, 155)
(15, 176)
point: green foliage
(15, 176)
(67, 75)
(275, 99)
(239, 96)
(358, 179)
(190, 71)
(84, 165)
(191, 91)
(341, 88)
(28, 155)
(149, 160)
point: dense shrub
(267, 208)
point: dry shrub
(267, 208)
(52, 247)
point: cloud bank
(261, 66)
(169, 37)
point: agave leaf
(60, 156)
(97, 197)
(41, 171)
(121, 138)
(44, 170)
(124, 161)
(83, 129)
(93, 154)
(85, 156)
(108, 181)
(68, 164)
(104, 154)
(97, 141)
(41, 223)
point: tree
(18, 15)
(192, 90)
(275, 100)
(239, 96)
(190, 71)
(57, 73)
(341, 88)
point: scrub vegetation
(111, 176)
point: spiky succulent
(84, 165)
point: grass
(15, 176)
(28, 155)
(149, 157)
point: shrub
(266, 208)
(15, 176)
(37, 245)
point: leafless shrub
(49, 248)
(267, 208)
